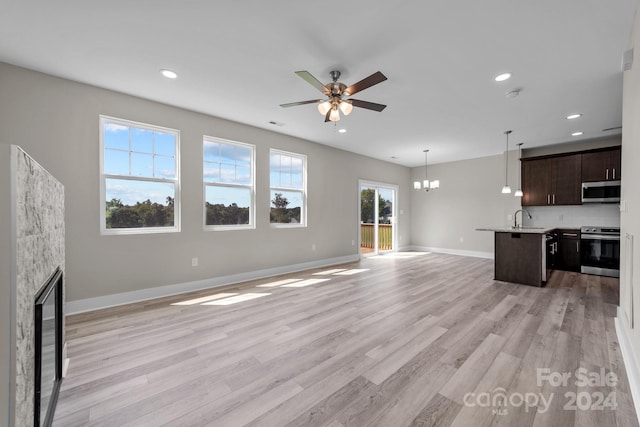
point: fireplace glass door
(48, 349)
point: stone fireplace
(31, 249)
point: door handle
(607, 173)
(614, 173)
(548, 199)
(577, 246)
(554, 199)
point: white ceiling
(236, 60)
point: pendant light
(506, 189)
(426, 184)
(518, 192)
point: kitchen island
(521, 254)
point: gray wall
(569, 147)
(630, 217)
(469, 197)
(56, 121)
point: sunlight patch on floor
(278, 283)
(304, 283)
(350, 272)
(204, 299)
(399, 255)
(328, 272)
(236, 299)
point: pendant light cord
(506, 159)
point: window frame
(103, 119)
(251, 187)
(303, 190)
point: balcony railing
(385, 236)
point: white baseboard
(91, 304)
(630, 361)
(475, 254)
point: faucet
(515, 217)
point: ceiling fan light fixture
(345, 107)
(335, 115)
(337, 93)
(324, 107)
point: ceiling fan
(338, 95)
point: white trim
(633, 372)
(475, 254)
(90, 304)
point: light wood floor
(403, 340)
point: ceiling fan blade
(373, 79)
(368, 105)
(308, 77)
(293, 104)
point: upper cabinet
(601, 165)
(552, 181)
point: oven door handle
(599, 237)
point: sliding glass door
(377, 218)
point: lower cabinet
(568, 250)
(518, 258)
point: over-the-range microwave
(601, 192)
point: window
(287, 173)
(228, 184)
(140, 191)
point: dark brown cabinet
(601, 165)
(518, 258)
(568, 250)
(552, 181)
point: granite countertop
(525, 229)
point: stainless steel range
(600, 251)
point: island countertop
(529, 230)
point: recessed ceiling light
(502, 77)
(577, 133)
(573, 116)
(169, 74)
(342, 130)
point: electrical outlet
(353, 243)
(461, 239)
(313, 246)
(509, 217)
(194, 262)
